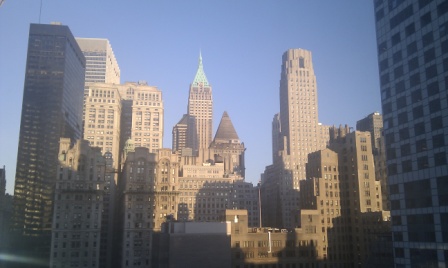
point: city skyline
(241, 62)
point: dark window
(396, 220)
(390, 139)
(445, 47)
(398, 72)
(436, 123)
(387, 107)
(444, 225)
(395, 204)
(421, 228)
(434, 106)
(379, 14)
(422, 162)
(397, 57)
(384, 79)
(433, 88)
(417, 112)
(412, 48)
(423, 257)
(399, 253)
(404, 133)
(382, 47)
(406, 166)
(401, 16)
(416, 96)
(418, 194)
(438, 141)
(401, 102)
(431, 72)
(425, 19)
(390, 153)
(428, 39)
(415, 79)
(301, 62)
(398, 236)
(405, 149)
(410, 29)
(394, 189)
(423, 3)
(396, 38)
(402, 118)
(420, 146)
(443, 30)
(419, 129)
(429, 55)
(399, 87)
(442, 191)
(440, 159)
(442, 8)
(384, 65)
(392, 170)
(413, 64)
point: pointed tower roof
(200, 77)
(226, 132)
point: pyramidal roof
(226, 132)
(200, 77)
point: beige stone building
(142, 115)
(102, 118)
(296, 132)
(81, 234)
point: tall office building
(141, 115)
(200, 105)
(413, 60)
(101, 64)
(102, 118)
(301, 132)
(184, 134)
(51, 109)
(296, 133)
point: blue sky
(241, 42)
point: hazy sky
(242, 42)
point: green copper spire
(200, 77)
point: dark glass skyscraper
(51, 109)
(412, 38)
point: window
(433, 89)
(419, 128)
(404, 133)
(414, 79)
(420, 146)
(440, 159)
(396, 38)
(410, 29)
(417, 112)
(429, 55)
(431, 71)
(436, 123)
(428, 39)
(406, 165)
(434, 106)
(412, 48)
(405, 149)
(438, 141)
(416, 96)
(397, 57)
(422, 162)
(425, 19)
(413, 64)
(402, 118)
(401, 102)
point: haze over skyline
(241, 44)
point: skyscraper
(141, 115)
(101, 64)
(301, 132)
(200, 105)
(51, 109)
(412, 56)
(296, 133)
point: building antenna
(40, 10)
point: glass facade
(51, 109)
(412, 41)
